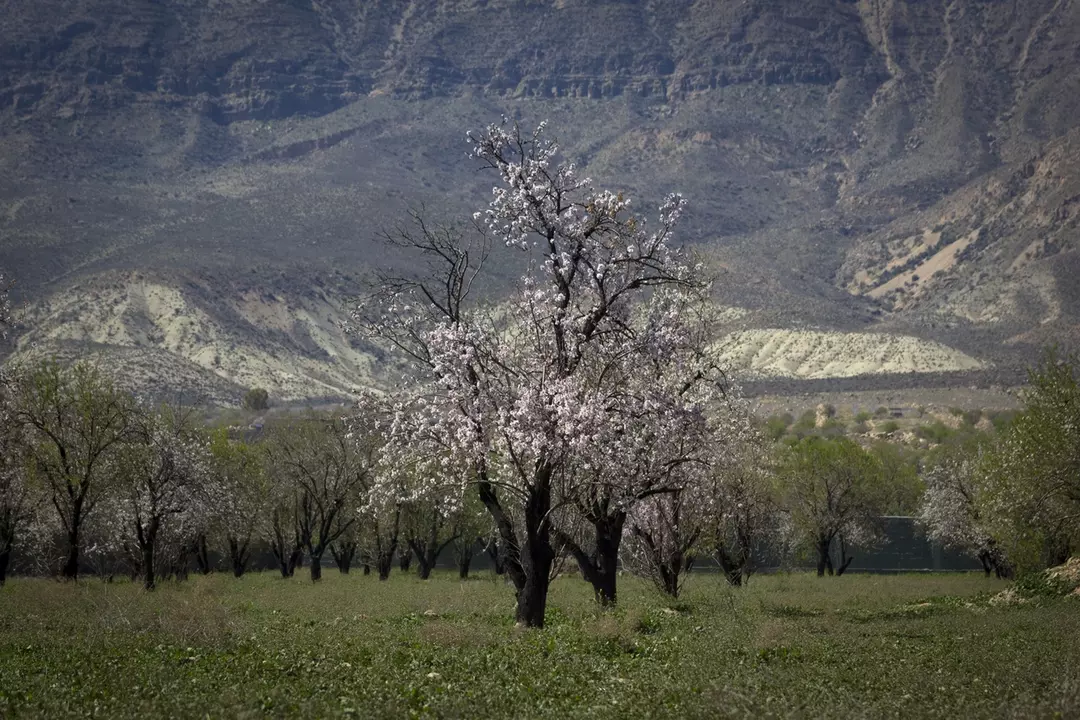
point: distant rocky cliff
(899, 166)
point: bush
(807, 422)
(256, 399)
(937, 433)
(776, 426)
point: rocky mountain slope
(873, 166)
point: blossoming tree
(239, 472)
(505, 396)
(739, 513)
(719, 505)
(162, 484)
(951, 513)
(20, 498)
(665, 406)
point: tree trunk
(71, 565)
(732, 572)
(202, 554)
(608, 537)
(824, 560)
(7, 542)
(296, 560)
(5, 561)
(283, 564)
(537, 555)
(464, 549)
(671, 582)
(405, 559)
(146, 544)
(601, 568)
(367, 569)
(287, 559)
(384, 563)
(284, 552)
(492, 549)
(238, 555)
(182, 565)
(148, 566)
(343, 554)
(845, 559)
(316, 568)
(426, 555)
(529, 563)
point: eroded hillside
(906, 168)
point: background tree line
(93, 480)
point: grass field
(786, 646)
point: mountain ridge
(857, 166)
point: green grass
(786, 646)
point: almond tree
(380, 532)
(502, 394)
(835, 494)
(163, 472)
(473, 528)
(326, 465)
(20, 498)
(661, 534)
(739, 514)
(280, 526)
(76, 417)
(432, 514)
(951, 514)
(714, 504)
(347, 545)
(430, 527)
(670, 414)
(239, 473)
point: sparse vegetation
(889, 427)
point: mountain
(194, 189)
